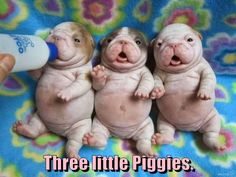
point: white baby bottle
(30, 52)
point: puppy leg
(143, 137)
(32, 129)
(75, 136)
(211, 130)
(165, 131)
(98, 135)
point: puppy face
(177, 48)
(75, 44)
(124, 49)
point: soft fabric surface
(216, 20)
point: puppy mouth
(175, 61)
(122, 57)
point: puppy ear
(90, 38)
(92, 41)
(101, 41)
(198, 34)
(144, 38)
(152, 42)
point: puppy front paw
(64, 95)
(141, 94)
(99, 73)
(204, 94)
(157, 92)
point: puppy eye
(109, 40)
(138, 42)
(159, 44)
(77, 40)
(190, 39)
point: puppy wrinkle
(126, 31)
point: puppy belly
(55, 80)
(131, 131)
(66, 129)
(185, 111)
(63, 114)
(121, 109)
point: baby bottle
(30, 52)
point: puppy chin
(184, 66)
(65, 57)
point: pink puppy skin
(184, 87)
(122, 84)
(64, 97)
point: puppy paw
(157, 139)
(148, 153)
(99, 73)
(220, 148)
(204, 94)
(141, 94)
(94, 140)
(64, 95)
(89, 139)
(144, 147)
(73, 155)
(157, 92)
(22, 129)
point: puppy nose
(174, 45)
(123, 42)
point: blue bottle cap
(53, 51)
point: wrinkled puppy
(64, 97)
(123, 85)
(184, 87)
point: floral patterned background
(215, 19)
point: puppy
(64, 96)
(122, 84)
(184, 87)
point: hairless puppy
(122, 84)
(64, 96)
(184, 87)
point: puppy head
(75, 44)
(177, 48)
(124, 50)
